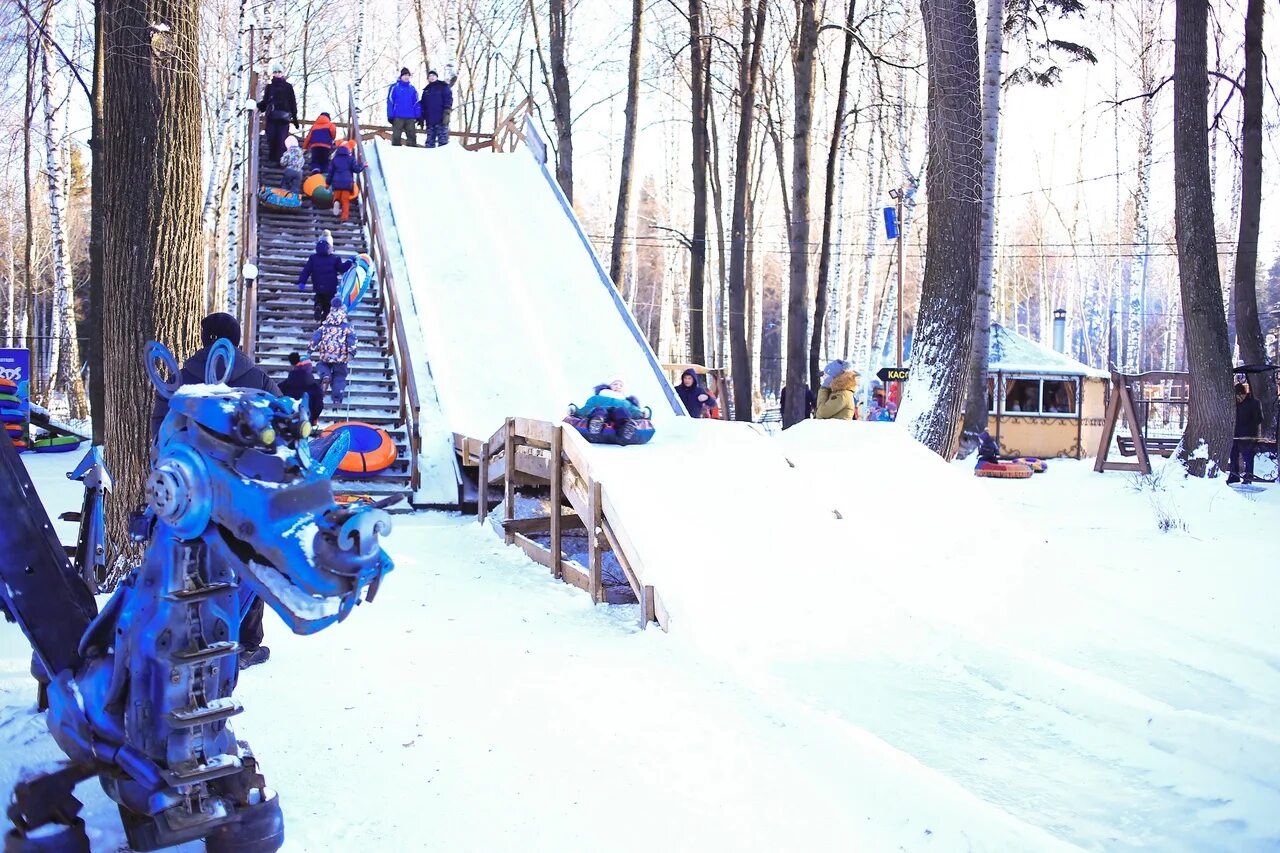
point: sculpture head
(234, 467)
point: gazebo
(1042, 402)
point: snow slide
(517, 317)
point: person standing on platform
(403, 110)
(436, 107)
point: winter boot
(595, 426)
(253, 657)
(1232, 479)
(627, 430)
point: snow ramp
(516, 315)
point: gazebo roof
(1010, 352)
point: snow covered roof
(1010, 352)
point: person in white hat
(279, 106)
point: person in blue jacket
(696, 398)
(402, 109)
(325, 270)
(343, 169)
(435, 109)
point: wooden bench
(1157, 446)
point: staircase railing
(249, 242)
(397, 334)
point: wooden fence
(539, 454)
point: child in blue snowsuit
(325, 270)
(611, 404)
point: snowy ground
(911, 659)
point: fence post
(595, 585)
(482, 499)
(557, 498)
(509, 479)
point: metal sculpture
(140, 694)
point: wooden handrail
(382, 131)
(557, 457)
(249, 309)
(397, 334)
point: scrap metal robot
(140, 695)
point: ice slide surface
(516, 318)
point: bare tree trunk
(748, 71)
(975, 406)
(622, 219)
(942, 348)
(1209, 418)
(217, 285)
(1249, 329)
(27, 312)
(699, 73)
(422, 34)
(560, 110)
(798, 337)
(97, 373)
(357, 54)
(152, 224)
(828, 199)
(64, 356)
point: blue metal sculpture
(141, 693)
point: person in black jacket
(279, 107)
(435, 109)
(244, 374)
(696, 398)
(325, 270)
(810, 401)
(1248, 428)
(301, 382)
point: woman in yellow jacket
(835, 397)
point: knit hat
(277, 68)
(832, 370)
(432, 73)
(219, 325)
(323, 247)
(336, 302)
(290, 142)
(294, 358)
(404, 71)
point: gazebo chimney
(1060, 329)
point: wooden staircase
(285, 323)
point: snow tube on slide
(610, 435)
(279, 199)
(1002, 470)
(313, 183)
(60, 444)
(322, 197)
(1037, 465)
(356, 281)
(371, 450)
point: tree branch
(88, 93)
(1141, 95)
(875, 57)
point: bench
(1156, 446)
